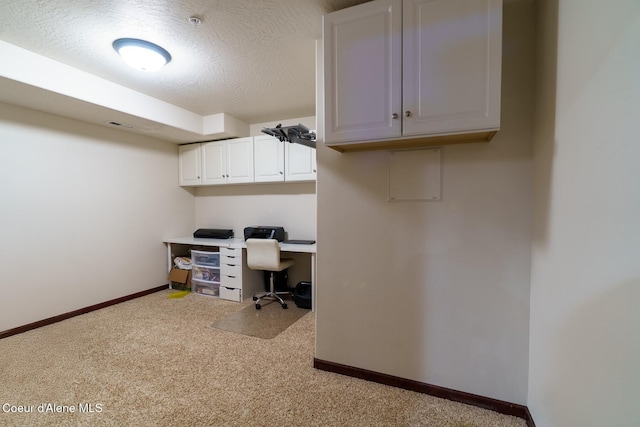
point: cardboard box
(180, 279)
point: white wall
(83, 214)
(585, 286)
(436, 292)
(291, 205)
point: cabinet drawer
(234, 260)
(231, 269)
(232, 294)
(232, 281)
(237, 252)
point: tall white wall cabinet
(400, 73)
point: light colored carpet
(266, 323)
(156, 361)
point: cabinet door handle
(394, 116)
(407, 113)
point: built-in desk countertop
(240, 243)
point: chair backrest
(263, 254)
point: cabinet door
(452, 62)
(214, 163)
(189, 164)
(239, 160)
(362, 72)
(268, 153)
(300, 162)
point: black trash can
(302, 295)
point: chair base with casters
(264, 254)
(271, 294)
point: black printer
(264, 232)
(212, 233)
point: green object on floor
(178, 294)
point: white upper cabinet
(217, 162)
(452, 68)
(189, 166)
(244, 160)
(268, 159)
(214, 162)
(363, 71)
(398, 72)
(239, 160)
(300, 162)
(227, 162)
(277, 161)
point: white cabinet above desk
(190, 164)
(217, 162)
(245, 160)
(300, 163)
(278, 161)
(227, 162)
(268, 159)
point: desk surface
(237, 243)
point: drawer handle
(233, 277)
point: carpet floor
(155, 361)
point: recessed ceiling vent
(120, 125)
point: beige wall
(83, 214)
(585, 286)
(436, 292)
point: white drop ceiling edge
(69, 92)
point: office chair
(264, 254)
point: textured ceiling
(251, 59)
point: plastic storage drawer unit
(208, 274)
(205, 288)
(207, 259)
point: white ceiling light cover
(141, 54)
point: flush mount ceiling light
(141, 54)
